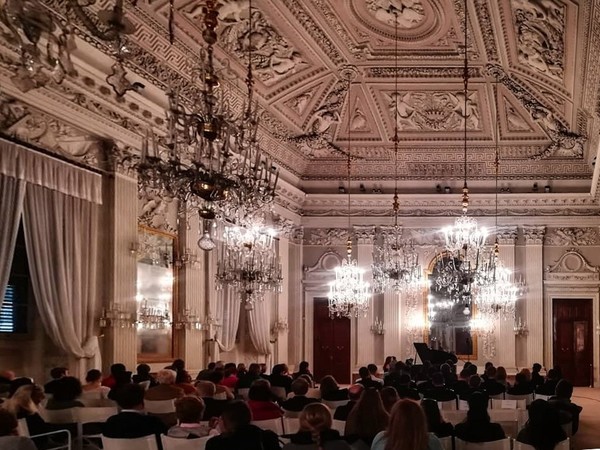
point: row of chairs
(451, 443)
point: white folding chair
(68, 415)
(159, 406)
(291, 425)
(142, 443)
(502, 444)
(334, 404)
(455, 417)
(171, 443)
(520, 446)
(497, 396)
(527, 397)
(542, 397)
(446, 442)
(449, 405)
(291, 414)
(339, 425)
(275, 425)
(510, 427)
(463, 405)
(243, 392)
(88, 416)
(23, 430)
(145, 384)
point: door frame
(576, 291)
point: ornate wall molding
(566, 237)
(572, 266)
(364, 234)
(507, 235)
(326, 237)
(534, 235)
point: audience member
(488, 365)
(367, 418)
(241, 370)
(131, 422)
(389, 397)
(388, 361)
(279, 377)
(116, 372)
(93, 383)
(522, 385)
(178, 365)
(405, 390)
(189, 411)
(183, 380)
(166, 389)
(366, 380)
(66, 391)
(212, 407)
(490, 385)
(259, 402)
(9, 438)
(237, 432)
(502, 377)
(536, 379)
(407, 430)
(462, 384)
(449, 376)
(542, 430)
(330, 390)
(303, 370)
(299, 400)
(222, 392)
(439, 391)
(562, 402)
(477, 427)
(17, 383)
(205, 374)
(56, 374)
(315, 431)
(230, 378)
(435, 421)
(549, 386)
(246, 380)
(354, 393)
(143, 374)
(374, 375)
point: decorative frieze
(565, 237)
(327, 237)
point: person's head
(25, 399)
(59, 372)
(477, 412)
(501, 374)
(216, 376)
(437, 379)
(432, 412)
(404, 379)
(552, 374)
(189, 409)
(17, 383)
(472, 369)
(328, 384)
(389, 397)
(229, 370)
(491, 372)
(464, 375)
(93, 376)
(315, 418)
(117, 369)
(241, 368)
(474, 381)
(520, 379)
(260, 391)
(67, 389)
(527, 374)
(536, 368)
(543, 425)
(219, 365)
(143, 370)
(487, 366)
(303, 366)
(308, 379)
(408, 427)
(236, 414)
(205, 388)
(254, 369)
(364, 373)
(355, 391)
(183, 377)
(178, 364)
(300, 386)
(368, 417)
(372, 369)
(211, 365)
(130, 396)
(564, 390)
(166, 376)
(8, 423)
(446, 369)
(388, 360)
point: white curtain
(228, 310)
(61, 235)
(259, 327)
(12, 193)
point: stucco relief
(326, 236)
(540, 27)
(154, 211)
(407, 13)
(572, 266)
(273, 57)
(565, 237)
(434, 111)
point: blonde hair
(166, 376)
(205, 388)
(407, 429)
(21, 400)
(314, 418)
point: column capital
(534, 235)
(364, 234)
(297, 236)
(506, 235)
(123, 161)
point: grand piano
(433, 356)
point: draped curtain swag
(259, 319)
(228, 308)
(12, 193)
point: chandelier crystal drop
(499, 297)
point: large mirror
(156, 295)
(449, 311)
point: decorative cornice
(566, 237)
(326, 237)
(534, 235)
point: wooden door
(331, 340)
(573, 339)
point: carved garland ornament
(564, 237)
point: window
(14, 310)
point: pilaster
(365, 340)
(295, 297)
(506, 350)
(280, 318)
(534, 308)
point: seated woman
(9, 437)
(389, 397)
(315, 431)
(435, 421)
(222, 392)
(330, 390)
(407, 430)
(66, 391)
(477, 427)
(542, 430)
(143, 374)
(502, 376)
(189, 412)
(259, 402)
(367, 418)
(183, 380)
(93, 384)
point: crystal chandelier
(210, 158)
(499, 298)
(395, 262)
(249, 263)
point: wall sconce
(280, 326)
(377, 327)
(520, 328)
(187, 258)
(188, 320)
(134, 248)
(116, 316)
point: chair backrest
(339, 425)
(463, 405)
(275, 425)
(142, 443)
(502, 444)
(563, 445)
(507, 404)
(159, 406)
(279, 392)
(68, 415)
(542, 397)
(520, 446)
(243, 393)
(447, 443)
(497, 396)
(291, 414)
(334, 404)
(22, 427)
(95, 415)
(291, 425)
(145, 384)
(503, 415)
(171, 443)
(314, 393)
(449, 405)
(527, 397)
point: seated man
(373, 371)
(237, 432)
(189, 411)
(474, 386)
(56, 373)
(366, 380)
(439, 391)
(536, 379)
(354, 393)
(212, 407)
(562, 402)
(405, 389)
(131, 422)
(491, 386)
(299, 400)
(522, 386)
(549, 386)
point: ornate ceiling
(534, 67)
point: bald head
(355, 391)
